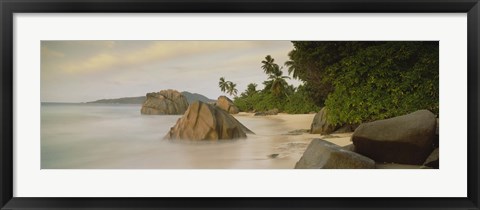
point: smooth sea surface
(110, 136)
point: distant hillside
(140, 99)
(126, 100)
(196, 97)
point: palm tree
(231, 89)
(268, 86)
(268, 65)
(223, 84)
(291, 65)
(278, 83)
(251, 89)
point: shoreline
(278, 143)
(288, 136)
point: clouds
(98, 62)
(48, 53)
(155, 52)
(132, 68)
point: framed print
(211, 104)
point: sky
(81, 71)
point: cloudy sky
(80, 71)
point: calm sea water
(98, 136)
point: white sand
(288, 135)
(293, 122)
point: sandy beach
(288, 135)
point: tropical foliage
(357, 81)
(276, 94)
(365, 81)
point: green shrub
(384, 81)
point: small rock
(259, 114)
(347, 128)
(298, 132)
(269, 112)
(273, 156)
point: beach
(86, 136)
(289, 135)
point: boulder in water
(203, 121)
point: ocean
(117, 136)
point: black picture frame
(10, 7)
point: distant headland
(140, 99)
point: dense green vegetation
(296, 101)
(356, 81)
(276, 94)
(365, 81)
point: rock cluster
(165, 102)
(408, 139)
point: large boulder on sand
(226, 104)
(165, 102)
(203, 121)
(406, 139)
(320, 125)
(326, 155)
